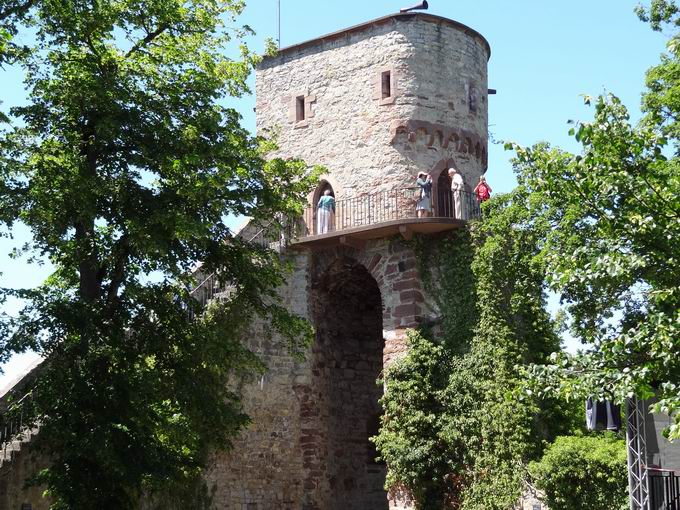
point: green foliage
(659, 13)
(12, 14)
(583, 472)
(457, 430)
(125, 165)
(450, 260)
(410, 438)
(612, 252)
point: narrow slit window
(386, 84)
(299, 108)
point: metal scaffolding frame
(636, 442)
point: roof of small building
(400, 16)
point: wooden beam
(352, 242)
(406, 232)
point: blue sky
(544, 55)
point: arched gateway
(346, 361)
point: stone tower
(375, 104)
(378, 102)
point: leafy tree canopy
(124, 164)
(614, 242)
(456, 434)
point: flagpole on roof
(278, 4)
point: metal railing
(211, 287)
(664, 489)
(360, 211)
(390, 205)
(17, 423)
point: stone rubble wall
(368, 144)
(13, 475)
(309, 418)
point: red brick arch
(394, 267)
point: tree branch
(118, 273)
(19, 10)
(148, 39)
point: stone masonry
(437, 113)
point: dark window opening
(386, 84)
(326, 186)
(444, 205)
(299, 108)
(472, 98)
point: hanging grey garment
(602, 415)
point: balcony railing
(389, 206)
(17, 425)
(664, 489)
(212, 287)
(370, 209)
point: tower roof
(398, 17)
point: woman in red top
(483, 190)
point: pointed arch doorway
(443, 203)
(347, 360)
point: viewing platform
(384, 214)
(356, 220)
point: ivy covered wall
(459, 429)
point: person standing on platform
(457, 189)
(482, 190)
(424, 203)
(325, 214)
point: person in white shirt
(457, 189)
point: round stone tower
(379, 102)
(375, 104)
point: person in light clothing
(457, 188)
(424, 203)
(325, 213)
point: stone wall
(308, 446)
(14, 493)
(437, 114)
(264, 469)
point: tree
(614, 245)
(124, 165)
(12, 12)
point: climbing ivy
(445, 268)
(457, 430)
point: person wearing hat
(457, 188)
(424, 203)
